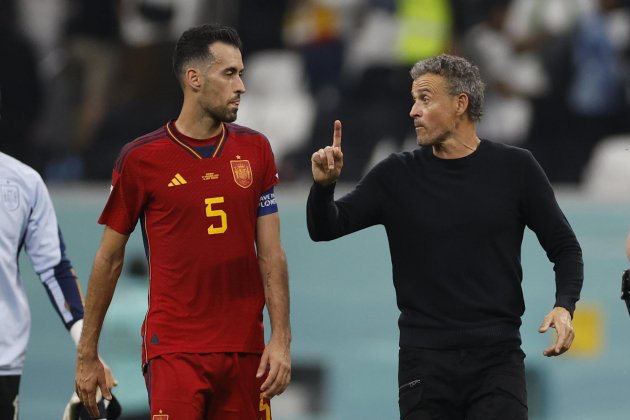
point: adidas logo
(177, 180)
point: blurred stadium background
(81, 78)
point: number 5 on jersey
(210, 212)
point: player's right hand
(91, 374)
(110, 380)
(326, 163)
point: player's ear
(192, 78)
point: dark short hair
(195, 42)
(461, 76)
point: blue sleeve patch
(267, 204)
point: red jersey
(197, 209)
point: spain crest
(242, 172)
(10, 197)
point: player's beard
(223, 114)
(230, 115)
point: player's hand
(560, 319)
(276, 359)
(326, 163)
(110, 380)
(91, 375)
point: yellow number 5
(210, 212)
(265, 410)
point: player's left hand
(560, 319)
(276, 359)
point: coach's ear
(462, 104)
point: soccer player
(454, 211)
(202, 189)
(28, 221)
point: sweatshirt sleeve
(44, 245)
(545, 218)
(329, 219)
(322, 215)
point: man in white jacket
(28, 221)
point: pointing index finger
(337, 134)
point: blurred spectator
(314, 28)
(372, 41)
(93, 47)
(21, 86)
(260, 24)
(563, 133)
(512, 75)
(543, 29)
(426, 29)
(81, 90)
(146, 93)
(466, 14)
(597, 96)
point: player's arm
(106, 269)
(276, 359)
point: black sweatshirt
(455, 229)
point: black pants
(9, 391)
(469, 384)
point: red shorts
(222, 386)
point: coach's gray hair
(461, 77)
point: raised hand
(326, 163)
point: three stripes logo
(177, 180)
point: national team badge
(242, 172)
(10, 197)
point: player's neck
(197, 126)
